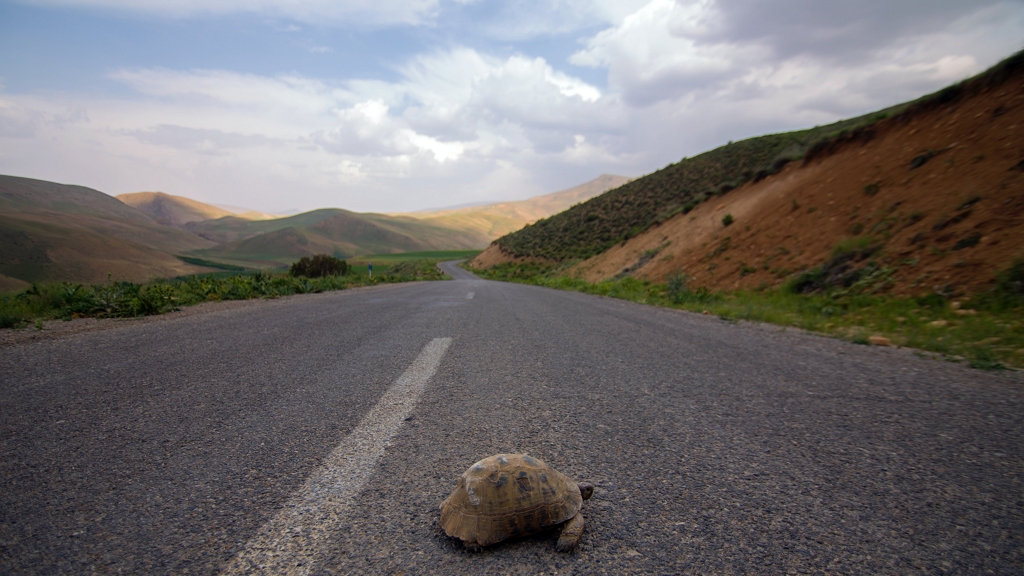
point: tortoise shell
(508, 496)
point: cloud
(203, 141)
(526, 19)
(675, 50)
(658, 52)
(450, 113)
(291, 93)
(17, 121)
(451, 124)
(338, 12)
(20, 121)
(836, 30)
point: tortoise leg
(472, 546)
(586, 490)
(571, 534)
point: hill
(56, 232)
(495, 220)
(600, 223)
(327, 231)
(53, 231)
(346, 234)
(928, 193)
(172, 210)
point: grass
(987, 332)
(121, 299)
(210, 263)
(437, 255)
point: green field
(210, 263)
(439, 255)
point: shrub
(318, 266)
(1013, 279)
(967, 242)
(678, 291)
(921, 159)
(12, 313)
(728, 220)
(841, 270)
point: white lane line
(290, 542)
(470, 295)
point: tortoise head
(586, 490)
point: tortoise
(511, 496)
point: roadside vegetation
(986, 330)
(120, 299)
(437, 255)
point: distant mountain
(53, 231)
(177, 211)
(328, 231)
(498, 219)
(57, 232)
(455, 207)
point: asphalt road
(189, 445)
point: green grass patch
(209, 263)
(438, 255)
(121, 299)
(987, 332)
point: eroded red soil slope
(952, 222)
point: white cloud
(461, 124)
(687, 52)
(526, 19)
(658, 52)
(292, 93)
(451, 113)
(349, 12)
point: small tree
(318, 266)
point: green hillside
(329, 231)
(595, 226)
(591, 228)
(233, 228)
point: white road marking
(470, 295)
(290, 542)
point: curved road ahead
(319, 433)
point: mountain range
(57, 232)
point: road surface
(319, 433)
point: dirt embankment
(493, 256)
(940, 192)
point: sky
(401, 105)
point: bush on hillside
(318, 266)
